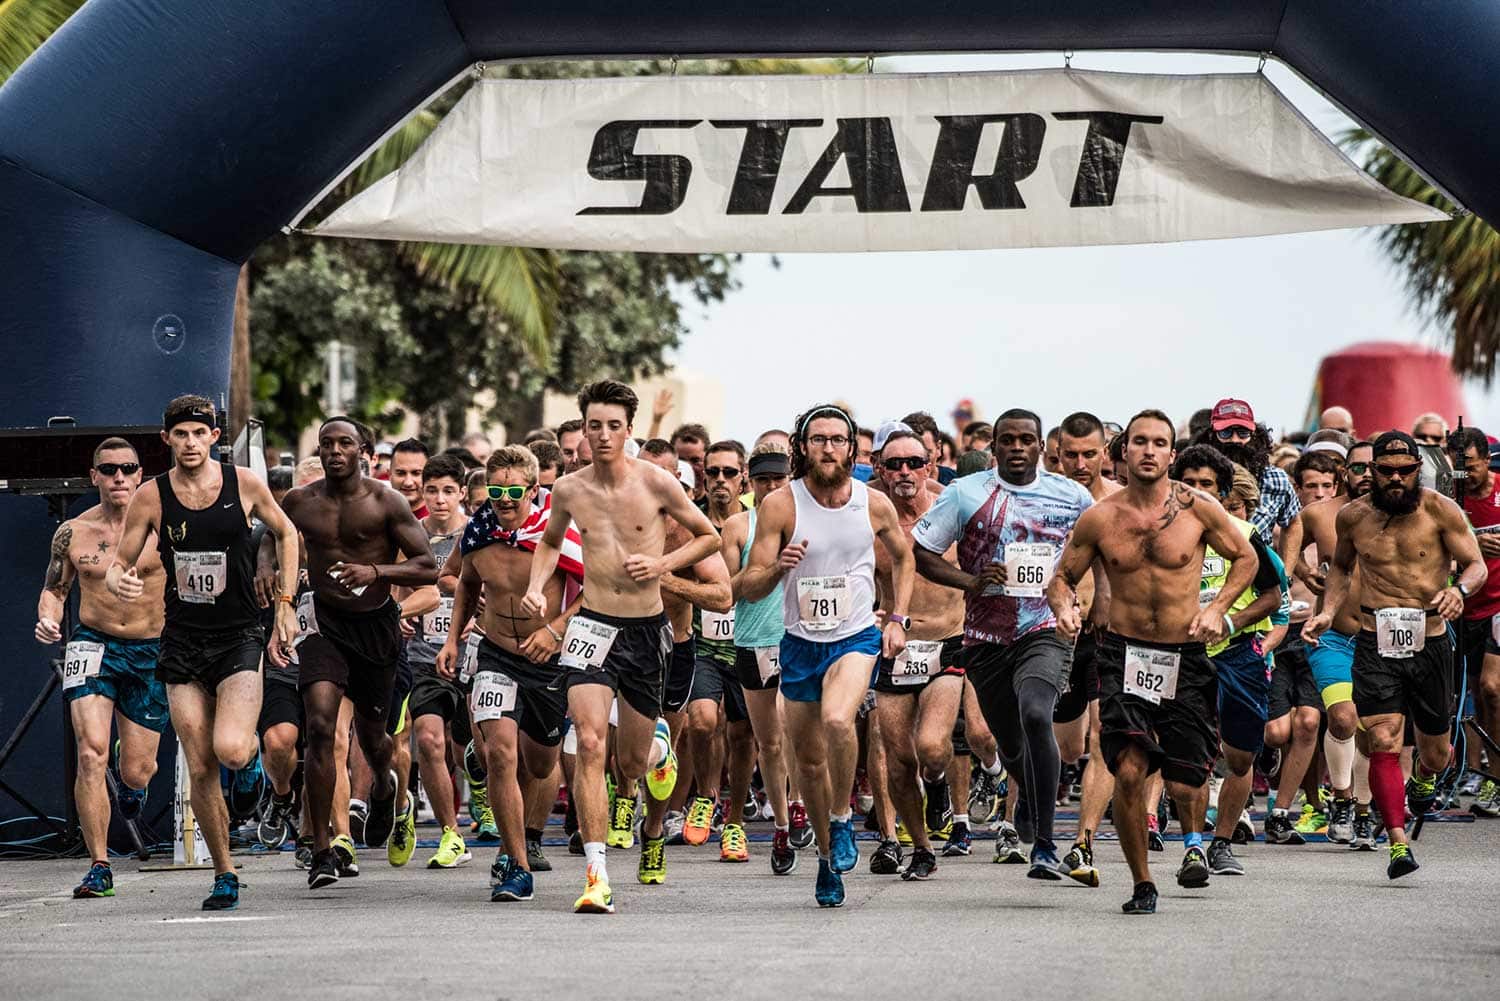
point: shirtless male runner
(1157, 693)
(620, 641)
(1406, 538)
(211, 638)
(816, 537)
(109, 664)
(353, 528)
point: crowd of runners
(944, 634)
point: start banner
(1049, 158)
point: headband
(169, 421)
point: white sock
(593, 854)
(844, 817)
(960, 818)
(1340, 755)
(780, 827)
(1361, 779)
(660, 749)
(994, 768)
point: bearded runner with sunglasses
(109, 663)
(1406, 539)
(816, 537)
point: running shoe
(1008, 846)
(246, 787)
(536, 860)
(276, 824)
(1194, 870)
(481, 814)
(1244, 829)
(1487, 800)
(801, 830)
(1154, 841)
(671, 827)
(1469, 787)
(302, 857)
(984, 796)
(382, 816)
(830, 886)
(1044, 865)
(1079, 864)
(922, 866)
(403, 843)
(938, 810)
(1421, 794)
(652, 868)
(863, 799)
(1142, 901)
(700, 821)
(1279, 830)
(902, 834)
(596, 897)
(358, 811)
(348, 862)
(1221, 860)
(575, 843)
(1341, 822)
(499, 868)
(887, 858)
(99, 881)
(451, 851)
(474, 770)
(621, 823)
(225, 896)
(129, 803)
(1402, 861)
(1364, 833)
(1312, 821)
(660, 781)
(733, 845)
(324, 870)
(783, 855)
(515, 886)
(843, 853)
(960, 842)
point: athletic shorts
(1479, 640)
(206, 657)
(1180, 737)
(360, 652)
(805, 662)
(1292, 684)
(716, 682)
(635, 668)
(747, 668)
(997, 670)
(1332, 663)
(127, 677)
(435, 696)
(1244, 692)
(541, 705)
(1083, 680)
(682, 670)
(399, 716)
(1420, 687)
(948, 667)
(279, 703)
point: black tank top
(208, 558)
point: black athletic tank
(208, 558)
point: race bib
(1151, 674)
(768, 661)
(200, 576)
(823, 602)
(1028, 569)
(1206, 596)
(307, 618)
(1400, 632)
(436, 623)
(81, 661)
(917, 663)
(718, 625)
(493, 696)
(586, 644)
(1213, 566)
(470, 658)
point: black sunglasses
(111, 468)
(905, 462)
(724, 472)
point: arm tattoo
(62, 541)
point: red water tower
(1386, 384)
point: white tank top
(831, 594)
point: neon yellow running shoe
(344, 857)
(733, 845)
(660, 781)
(479, 810)
(700, 821)
(653, 864)
(451, 852)
(622, 823)
(1313, 821)
(403, 842)
(596, 897)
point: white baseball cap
(685, 474)
(884, 432)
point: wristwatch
(904, 621)
(1463, 590)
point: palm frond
(25, 25)
(520, 283)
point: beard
(1357, 490)
(1393, 502)
(1237, 453)
(837, 478)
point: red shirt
(1484, 512)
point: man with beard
(1406, 539)
(1471, 451)
(1233, 431)
(1157, 689)
(574, 445)
(816, 537)
(1331, 657)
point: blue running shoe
(830, 889)
(225, 895)
(515, 886)
(131, 802)
(843, 853)
(246, 787)
(1044, 865)
(100, 882)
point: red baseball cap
(1232, 414)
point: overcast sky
(1109, 329)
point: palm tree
(1452, 271)
(25, 25)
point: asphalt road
(1316, 920)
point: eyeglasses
(514, 493)
(1234, 434)
(824, 440)
(1429, 439)
(721, 472)
(1392, 472)
(1358, 468)
(111, 468)
(912, 462)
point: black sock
(532, 834)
